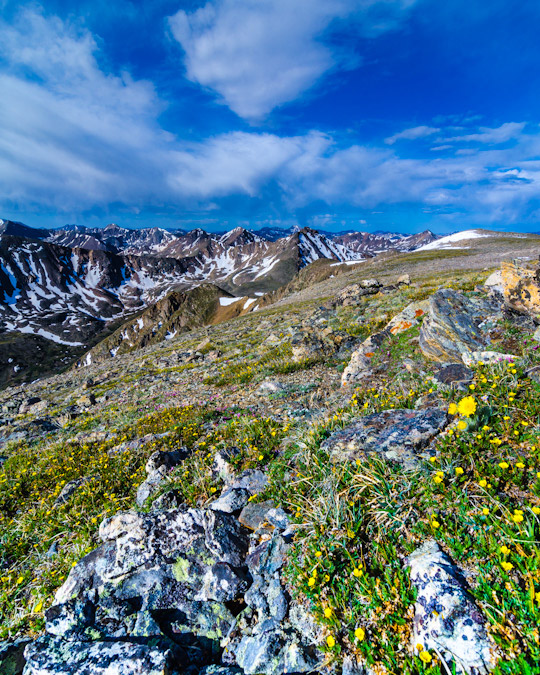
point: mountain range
(74, 285)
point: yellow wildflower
(467, 406)
(504, 550)
(330, 641)
(425, 656)
(452, 409)
(507, 566)
(459, 471)
(359, 633)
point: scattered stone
(534, 374)
(222, 466)
(274, 645)
(162, 459)
(253, 480)
(27, 404)
(310, 347)
(86, 401)
(12, 657)
(352, 295)
(521, 288)
(71, 488)
(395, 435)
(536, 335)
(254, 514)
(270, 387)
(446, 617)
(231, 501)
(360, 364)
(494, 282)
(456, 324)
(404, 280)
(157, 467)
(454, 374)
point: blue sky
(339, 114)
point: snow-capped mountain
(68, 285)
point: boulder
(494, 282)
(395, 435)
(164, 576)
(352, 295)
(521, 288)
(446, 617)
(276, 641)
(360, 364)
(157, 467)
(49, 655)
(456, 324)
(454, 374)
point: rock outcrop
(521, 288)
(446, 617)
(394, 435)
(360, 363)
(457, 324)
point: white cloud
(74, 138)
(492, 135)
(412, 134)
(261, 54)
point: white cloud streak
(412, 134)
(260, 54)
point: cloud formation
(259, 55)
(412, 134)
(74, 138)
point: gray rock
(52, 655)
(456, 324)
(275, 653)
(165, 460)
(454, 374)
(253, 480)
(157, 467)
(270, 387)
(231, 501)
(395, 435)
(12, 657)
(71, 488)
(253, 515)
(446, 616)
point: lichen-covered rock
(12, 657)
(446, 616)
(353, 294)
(360, 362)
(54, 656)
(158, 465)
(165, 575)
(231, 500)
(395, 435)
(282, 638)
(456, 324)
(454, 374)
(521, 288)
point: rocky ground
(347, 481)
